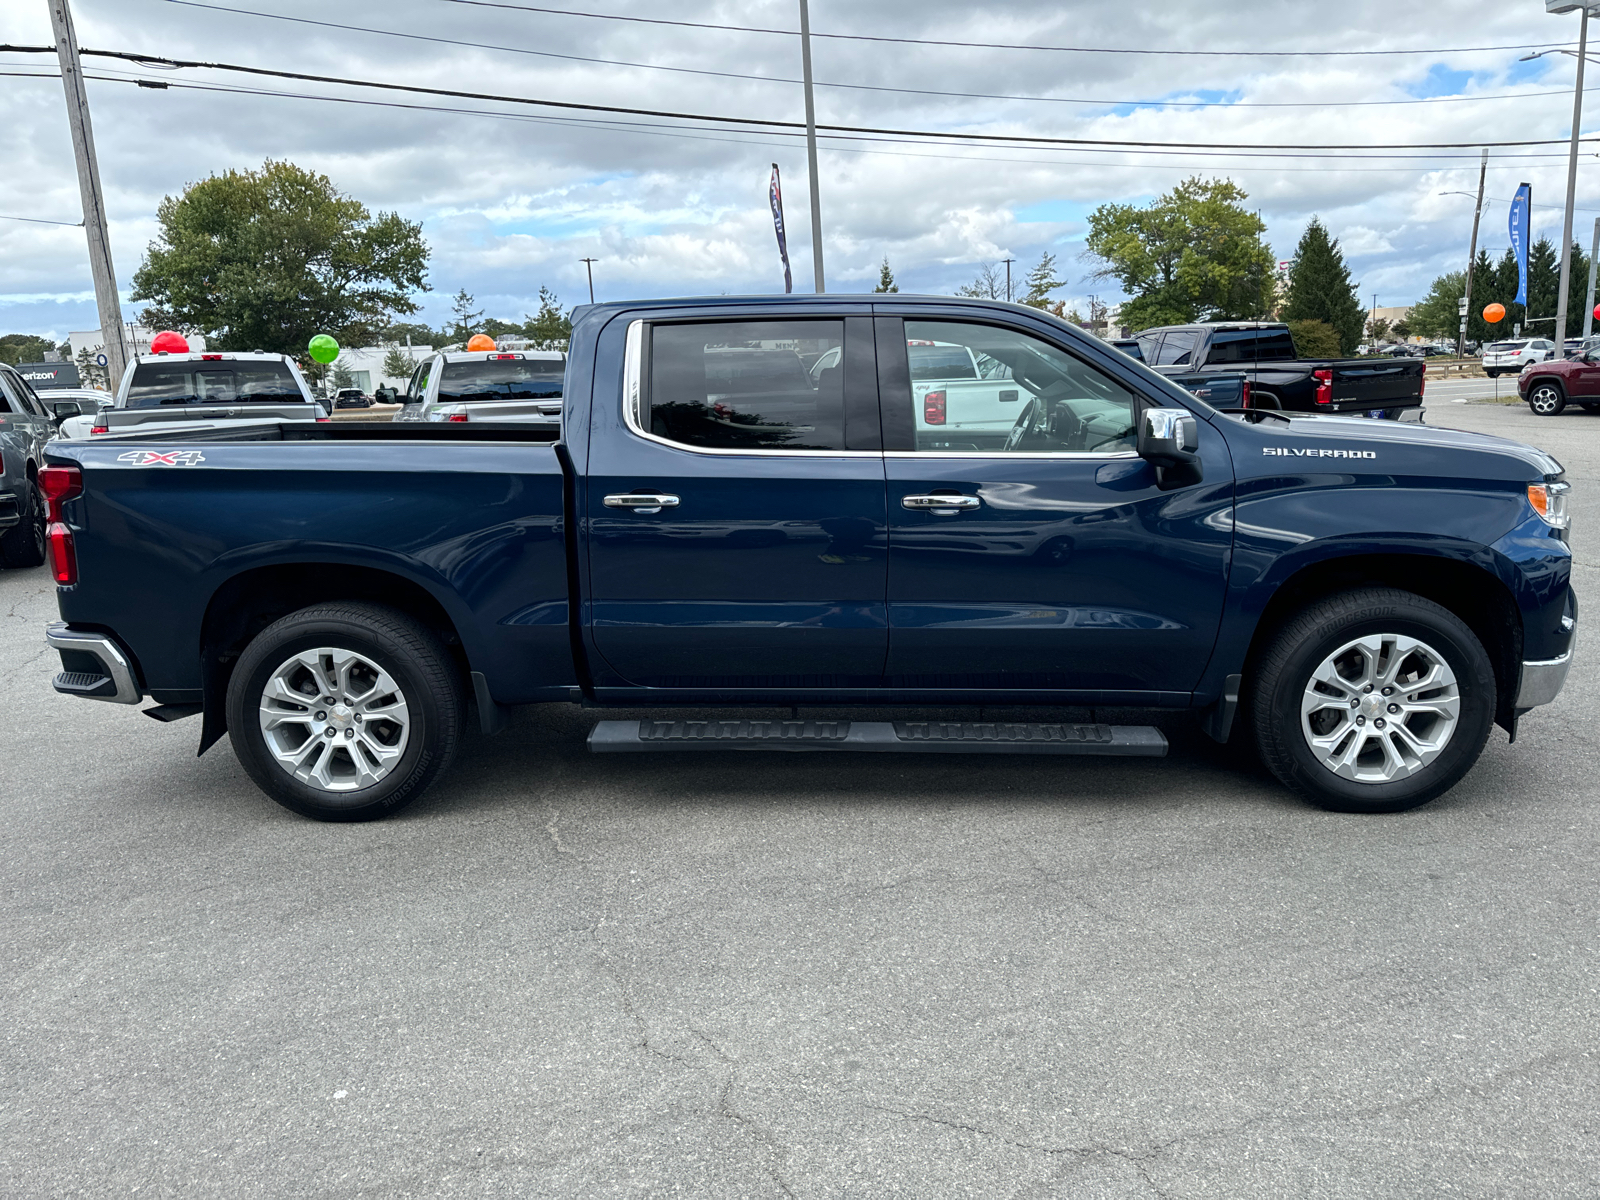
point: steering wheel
(1019, 429)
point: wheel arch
(1480, 599)
(1551, 379)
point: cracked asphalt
(808, 976)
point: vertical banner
(1520, 204)
(775, 194)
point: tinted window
(212, 383)
(746, 385)
(6, 387)
(1067, 406)
(513, 377)
(1503, 347)
(1149, 345)
(1250, 345)
(1177, 348)
(930, 360)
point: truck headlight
(1549, 500)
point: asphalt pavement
(806, 976)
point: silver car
(487, 385)
(1507, 358)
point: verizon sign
(44, 376)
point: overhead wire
(869, 87)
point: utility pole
(1008, 263)
(94, 207)
(589, 265)
(1472, 256)
(811, 145)
(1588, 305)
(1572, 187)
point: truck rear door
(734, 503)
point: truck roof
(212, 356)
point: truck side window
(1149, 345)
(747, 385)
(1045, 401)
(1251, 345)
(1177, 348)
(5, 395)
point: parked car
(457, 387)
(1264, 351)
(26, 425)
(1378, 593)
(1509, 357)
(1549, 387)
(351, 398)
(203, 390)
(1580, 345)
(65, 404)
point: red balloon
(1597, 312)
(167, 342)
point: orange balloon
(480, 341)
(1494, 312)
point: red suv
(1550, 386)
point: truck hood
(1430, 447)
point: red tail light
(457, 418)
(1244, 394)
(1422, 386)
(211, 358)
(60, 484)
(933, 408)
(321, 419)
(1324, 386)
(99, 428)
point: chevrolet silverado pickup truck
(1360, 600)
(1386, 388)
(199, 389)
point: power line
(41, 220)
(869, 87)
(863, 37)
(151, 60)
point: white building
(365, 366)
(134, 336)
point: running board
(895, 737)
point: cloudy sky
(671, 207)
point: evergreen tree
(1320, 287)
(462, 317)
(1041, 281)
(397, 364)
(549, 328)
(886, 281)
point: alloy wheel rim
(1544, 399)
(334, 719)
(1380, 708)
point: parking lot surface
(806, 976)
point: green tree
(91, 373)
(1436, 315)
(1320, 288)
(463, 319)
(549, 328)
(268, 259)
(1194, 254)
(397, 364)
(1316, 339)
(886, 281)
(1041, 281)
(1377, 330)
(24, 347)
(496, 328)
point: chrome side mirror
(1168, 437)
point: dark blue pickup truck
(741, 509)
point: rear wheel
(345, 712)
(1373, 701)
(23, 545)
(1546, 398)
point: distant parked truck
(1264, 351)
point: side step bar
(894, 737)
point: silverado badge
(1296, 452)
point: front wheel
(1547, 399)
(345, 712)
(1373, 701)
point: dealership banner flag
(775, 194)
(1520, 204)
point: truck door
(1057, 564)
(735, 509)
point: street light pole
(1588, 305)
(94, 204)
(1572, 183)
(589, 266)
(1008, 263)
(1472, 256)
(811, 145)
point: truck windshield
(155, 384)
(501, 379)
(930, 361)
(1250, 345)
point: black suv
(25, 426)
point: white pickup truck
(965, 400)
(201, 391)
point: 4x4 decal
(162, 458)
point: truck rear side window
(155, 384)
(1251, 345)
(506, 378)
(747, 385)
(932, 360)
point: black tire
(1491, 374)
(23, 545)
(1309, 638)
(1546, 398)
(425, 678)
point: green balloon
(323, 348)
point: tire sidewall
(257, 665)
(1555, 407)
(1474, 680)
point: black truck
(1264, 352)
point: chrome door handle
(641, 502)
(943, 506)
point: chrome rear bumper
(112, 680)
